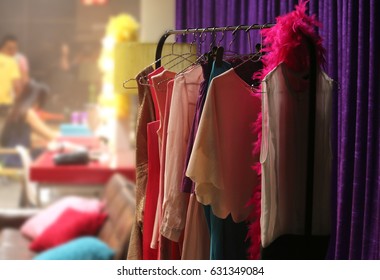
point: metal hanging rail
(168, 33)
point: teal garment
(227, 239)
(83, 248)
(216, 71)
(215, 224)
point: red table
(44, 171)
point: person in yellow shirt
(9, 81)
(10, 46)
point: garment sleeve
(205, 167)
(175, 202)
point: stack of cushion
(66, 229)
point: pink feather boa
(285, 42)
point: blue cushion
(75, 130)
(83, 248)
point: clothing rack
(234, 29)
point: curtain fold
(349, 29)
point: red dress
(152, 190)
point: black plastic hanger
(219, 57)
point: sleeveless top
(285, 102)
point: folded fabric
(34, 226)
(71, 224)
(83, 248)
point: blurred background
(72, 58)
(62, 42)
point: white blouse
(285, 106)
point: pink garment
(153, 91)
(160, 82)
(167, 249)
(158, 218)
(196, 243)
(182, 111)
(221, 160)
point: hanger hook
(195, 35)
(223, 32)
(185, 33)
(200, 37)
(194, 39)
(214, 37)
(127, 81)
(261, 37)
(249, 37)
(234, 35)
(236, 29)
(203, 31)
(249, 42)
(251, 27)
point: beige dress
(221, 161)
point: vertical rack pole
(160, 46)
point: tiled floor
(9, 193)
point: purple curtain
(353, 60)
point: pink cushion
(34, 226)
(69, 225)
